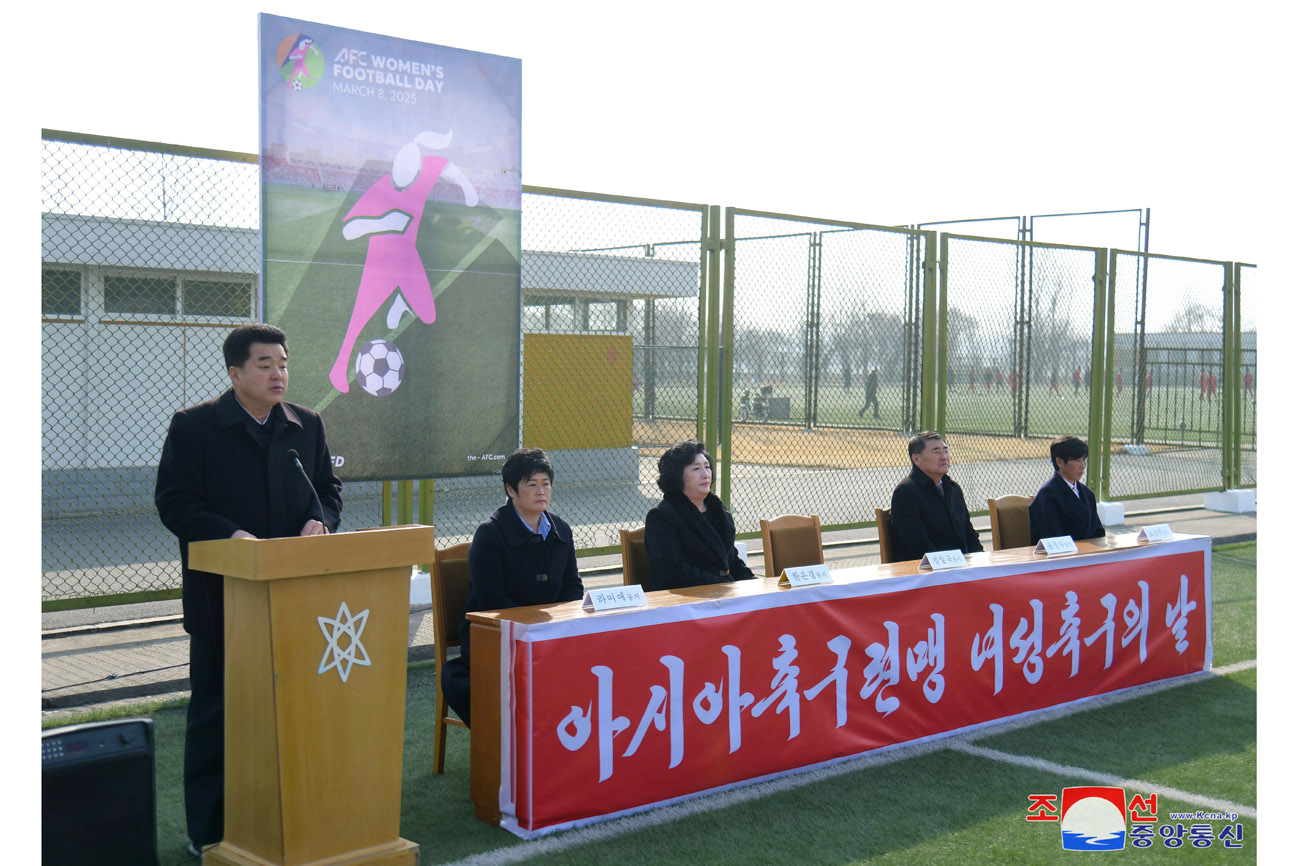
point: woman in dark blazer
(690, 537)
(1064, 505)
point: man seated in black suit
(1064, 505)
(928, 511)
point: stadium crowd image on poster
(390, 244)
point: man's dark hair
(1067, 448)
(674, 462)
(523, 464)
(916, 444)
(236, 349)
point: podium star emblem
(343, 641)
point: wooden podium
(316, 642)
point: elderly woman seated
(690, 538)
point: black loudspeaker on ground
(97, 795)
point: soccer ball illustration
(297, 84)
(379, 368)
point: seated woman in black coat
(690, 537)
(522, 554)
(1064, 505)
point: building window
(138, 295)
(602, 316)
(201, 296)
(542, 313)
(534, 317)
(230, 299)
(61, 292)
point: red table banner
(617, 713)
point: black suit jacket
(512, 566)
(924, 520)
(687, 547)
(220, 472)
(1056, 511)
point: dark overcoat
(924, 519)
(688, 547)
(510, 566)
(221, 472)
(1056, 511)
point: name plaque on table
(1057, 546)
(1159, 532)
(613, 598)
(806, 575)
(941, 559)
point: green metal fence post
(722, 471)
(934, 334)
(709, 316)
(1231, 377)
(812, 353)
(1098, 429)
(405, 503)
(426, 512)
(1238, 385)
(1100, 397)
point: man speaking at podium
(242, 465)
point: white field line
(566, 840)
(1105, 779)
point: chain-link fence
(1167, 384)
(611, 297)
(808, 360)
(148, 258)
(825, 365)
(1018, 325)
(150, 255)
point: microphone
(293, 455)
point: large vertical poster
(390, 244)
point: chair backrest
(1009, 516)
(790, 541)
(636, 564)
(449, 581)
(886, 534)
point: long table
(582, 716)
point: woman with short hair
(523, 554)
(690, 538)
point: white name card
(1057, 546)
(614, 597)
(1159, 532)
(940, 559)
(806, 575)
